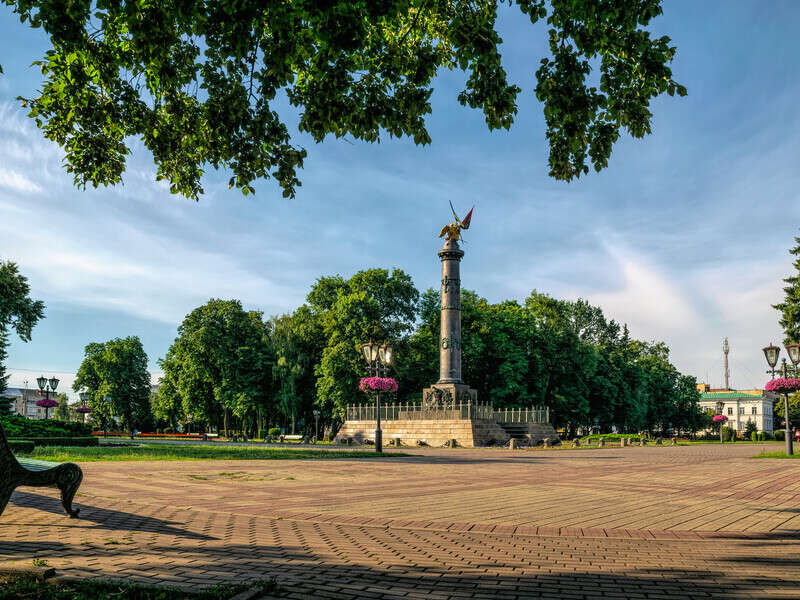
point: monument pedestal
(446, 395)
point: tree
(794, 410)
(116, 369)
(790, 307)
(62, 410)
(199, 83)
(17, 311)
(298, 342)
(372, 304)
(220, 364)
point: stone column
(450, 391)
(450, 336)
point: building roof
(11, 393)
(733, 395)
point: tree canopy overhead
(199, 82)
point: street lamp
(771, 352)
(378, 358)
(83, 409)
(45, 387)
(316, 424)
(720, 405)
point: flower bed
(158, 436)
(377, 384)
(783, 386)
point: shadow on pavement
(305, 574)
(103, 518)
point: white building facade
(742, 406)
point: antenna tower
(725, 349)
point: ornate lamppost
(378, 358)
(784, 385)
(45, 387)
(83, 409)
(720, 405)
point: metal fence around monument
(481, 412)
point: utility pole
(725, 349)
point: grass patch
(191, 452)
(14, 587)
(781, 454)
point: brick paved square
(700, 521)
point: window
(741, 410)
(730, 410)
(754, 410)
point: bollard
(512, 444)
(601, 443)
(642, 441)
(674, 441)
(576, 443)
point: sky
(684, 236)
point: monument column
(450, 335)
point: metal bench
(15, 471)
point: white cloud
(17, 182)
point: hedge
(61, 441)
(611, 437)
(21, 447)
(18, 426)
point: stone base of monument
(467, 432)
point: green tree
(199, 83)
(794, 411)
(17, 311)
(298, 342)
(61, 411)
(117, 369)
(790, 307)
(219, 365)
(372, 304)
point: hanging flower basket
(46, 402)
(720, 418)
(377, 384)
(83, 409)
(783, 386)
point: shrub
(275, 432)
(19, 426)
(753, 436)
(766, 435)
(728, 434)
(169, 430)
(779, 435)
(611, 437)
(62, 441)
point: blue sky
(684, 236)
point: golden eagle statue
(453, 230)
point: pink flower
(718, 418)
(377, 384)
(783, 385)
(46, 402)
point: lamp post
(45, 387)
(771, 353)
(720, 405)
(83, 409)
(378, 358)
(316, 424)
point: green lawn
(781, 454)
(15, 587)
(191, 452)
